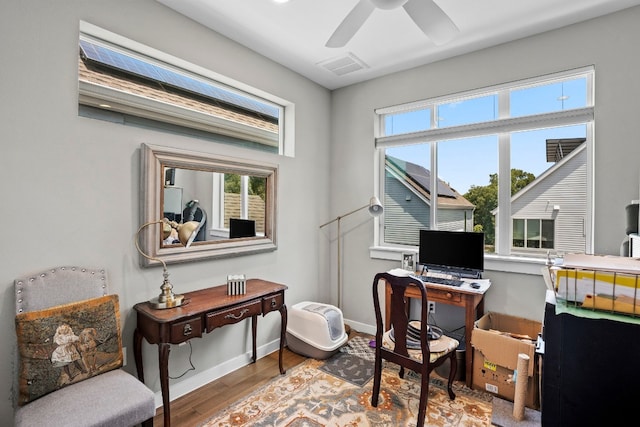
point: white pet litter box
(315, 330)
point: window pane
(518, 233)
(475, 110)
(240, 191)
(537, 150)
(407, 121)
(144, 90)
(407, 198)
(547, 234)
(533, 233)
(550, 97)
(232, 202)
(549, 182)
(468, 169)
(545, 167)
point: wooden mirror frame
(153, 161)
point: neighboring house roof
(418, 179)
(557, 149)
(104, 76)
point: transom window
(123, 81)
(513, 161)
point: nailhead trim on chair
(20, 283)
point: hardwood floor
(199, 405)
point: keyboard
(441, 280)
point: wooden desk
(471, 300)
(204, 311)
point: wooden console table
(203, 311)
(472, 300)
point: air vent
(343, 64)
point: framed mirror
(233, 200)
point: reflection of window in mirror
(221, 187)
(219, 197)
(244, 198)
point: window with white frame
(124, 81)
(533, 233)
(244, 198)
(513, 161)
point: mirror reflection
(227, 205)
(233, 200)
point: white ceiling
(294, 33)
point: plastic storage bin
(315, 330)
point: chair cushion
(437, 348)
(113, 399)
(67, 344)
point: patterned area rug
(353, 369)
(354, 363)
(307, 396)
(359, 346)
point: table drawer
(233, 315)
(272, 302)
(186, 329)
(443, 295)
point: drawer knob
(273, 302)
(239, 316)
(449, 295)
(187, 330)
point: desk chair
(113, 398)
(419, 355)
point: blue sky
(463, 163)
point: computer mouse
(475, 285)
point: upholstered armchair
(70, 354)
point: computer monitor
(241, 228)
(455, 252)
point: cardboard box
(497, 340)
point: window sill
(509, 264)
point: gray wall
(608, 43)
(69, 185)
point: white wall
(69, 185)
(608, 43)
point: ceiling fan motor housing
(388, 4)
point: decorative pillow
(66, 344)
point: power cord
(192, 368)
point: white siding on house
(406, 213)
(403, 218)
(454, 219)
(565, 187)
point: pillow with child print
(66, 344)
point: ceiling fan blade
(351, 24)
(432, 20)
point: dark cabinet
(590, 374)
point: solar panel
(423, 177)
(115, 59)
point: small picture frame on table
(409, 261)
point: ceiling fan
(427, 15)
